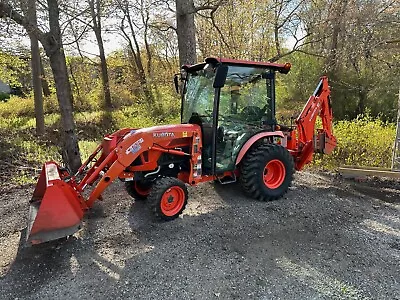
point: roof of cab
(282, 68)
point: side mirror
(176, 83)
(220, 76)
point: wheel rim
(172, 201)
(141, 191)
(274, 174)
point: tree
(95, 11)
(129, 31)
(361, 59)
(36, 69)
(186, 31)
(13, 67)
(270, 26)
(45, 84)
(52, 44)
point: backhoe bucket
(56, 208)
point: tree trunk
(45, 84)
(35, 65)
(96, 19)
(137, 58)
(396, 147)
(186, 31)
(76, 85)
(362, 99)
(58, 65)
(337, 20)
(277, 43)
(37, 85)
(136, 63)
(70, 147)
(104, 74)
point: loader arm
(120, 149)
(310, 139)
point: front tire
(168, 198)
(267, 172)
(137, 190)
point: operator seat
(206, 128)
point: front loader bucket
(56, 208)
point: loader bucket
(56, 209)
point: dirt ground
(330, 238)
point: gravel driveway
(328, 239)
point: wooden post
(396, 148)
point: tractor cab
(231, 100)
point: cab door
(245, 108)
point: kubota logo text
(163, 134)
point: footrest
(227, 179)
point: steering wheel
(253, 112)
(210, 112)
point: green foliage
(50, 104)
(169, 104)
(12, 69)
(4, 97)
(302, 79)
(86, 148)
(353, 91)
(293, 89)
(17, 106)
(362, 142)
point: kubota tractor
(228, 132)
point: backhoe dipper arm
(312, 140)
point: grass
(362, 142)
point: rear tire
(168, 198)
(267, 172)
(138, 190)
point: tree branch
(6, 11)
(209, 6)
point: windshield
(246, 95)
(199, 95)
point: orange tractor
(228, 132)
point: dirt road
(328, 239)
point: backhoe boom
(309, 140)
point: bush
(17, 106)
(4, 97)
(362, 142)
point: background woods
(106, 64)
